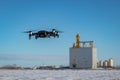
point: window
(74, 65)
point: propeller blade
(60, 31)
(57, 30)
(27, 31)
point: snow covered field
(59, 74)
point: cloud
(31, 57)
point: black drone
(44, 33)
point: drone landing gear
(36, 37)
(57, 35)
(29, 36)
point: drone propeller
(60, 31)
(57, 31)
(27, 31)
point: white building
(84, 56)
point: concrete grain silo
(82, 56)
(111, 63)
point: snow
(59, 74)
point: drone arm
(31, 34)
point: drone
(43, 33)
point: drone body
(44, 34)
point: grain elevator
(83, 55)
